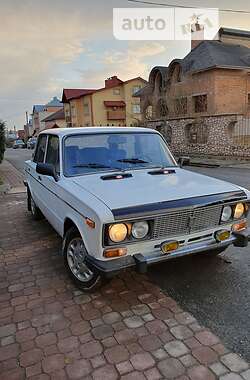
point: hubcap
(76, 254)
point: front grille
(183, 222)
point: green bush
(2, 139)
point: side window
(52, 156)
(40, 149)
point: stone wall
(211, 136)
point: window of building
(181, 106)
(135, 89)
(197, 133)
(86, 109)
(200, 103)
(136, 108)
(40, 149)
(116, 91)
(52, 155)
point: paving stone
(91, 349)
(134, 376)
(150, 342)
(7, 330)
(80, 328)
(148, 317)
(109, 342)
(111, 318)
(181, 332)
(106, 372)
(53, 363)
(141, 309)
(231, 376)
(153, 374)
(218, 369)
(234, 362)
(58, 375)
(126, 335)
(188, 360)
(185, 318)
(171, 368)
(46, 340)
(31, 357)
(78, 369)
(68, 344)
(7, 340)
(142, 361)
(207, 338)
(124, 367)
(134, 322)
(96, 322)
(162, 313)
(171, 322)
(156, 327)
(200, 373)
(14, 374)
(176, 348)
(116, 354)
(205, 355)
(160, 354)
(246, 375)
(98, 361)
(33, 370)
(102, 332)
(26, 334)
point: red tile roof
(58, 115)
(75, 93)
(114, 103)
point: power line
(182, 6)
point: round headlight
(239, 210)
(118, 232)
(226, 214)
(140, 230)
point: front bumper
(140, 262)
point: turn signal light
(90, 223)
(116, 252)
(222, 235)
(170, 246)
(240, 226)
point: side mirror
(184, 161)
(47, 169)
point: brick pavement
(12, 177)
(129, 329)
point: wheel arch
(70, 222)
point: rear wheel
(75, 253)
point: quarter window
(40, 150)
(52, 156)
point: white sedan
(119, 200)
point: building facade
(202, 102)
(55, 120)
(112, 105)
(40, 112)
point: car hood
(143, 188)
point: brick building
(112, 105)
(202, 102)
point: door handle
(40, 178)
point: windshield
(90, 153)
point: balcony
(116, 115)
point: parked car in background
(119, 200)
(19, 144)
(31, 143)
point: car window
(40, 150)
(89, 153)
(52, 155)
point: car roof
(83, 130)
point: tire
(35, 211)
(85, 278)
(215, 252)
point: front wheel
(74, 253)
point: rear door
(53, 190)
(35, 179)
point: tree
(2, 139)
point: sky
(48, 45)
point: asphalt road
(215, 290)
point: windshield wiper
(133, 161)
(92, 165)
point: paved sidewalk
(12, 177)
(129, 329)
